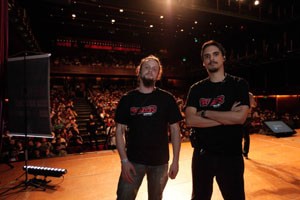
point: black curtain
(3, 60)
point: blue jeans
(157, 177)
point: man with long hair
(147, 115)
(216, 109)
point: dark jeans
(93, 136)
(246, 138)
(227, 169)
(157, 177)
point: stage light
(45, 171)
(256, 2)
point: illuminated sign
(98, 44)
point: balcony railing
(88, 70)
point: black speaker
(279, 128)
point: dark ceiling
(262, 42)
(184, 23)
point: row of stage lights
(44, 171)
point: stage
(271, 173)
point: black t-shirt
(220, 96)
(92, 126)
(148, 117)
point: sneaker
(245, 155)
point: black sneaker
(245, 155)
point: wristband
(124, 160)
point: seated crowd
(66, 135)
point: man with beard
(216, 109)
(146, 116)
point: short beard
(148, 82)
(212, 70)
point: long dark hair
(213, 43)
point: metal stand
(32, 182)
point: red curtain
(3, 59)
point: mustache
(212, 62)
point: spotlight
(45, 171)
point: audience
(67, 138)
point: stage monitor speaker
(28, 88)
(279, 128)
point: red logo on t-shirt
(146, 110)
(214, 102)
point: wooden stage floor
(271, 173)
